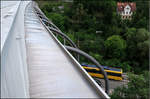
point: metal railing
(74, 48)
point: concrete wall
(14, 71)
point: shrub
(137, 88)
(115, 46)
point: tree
(137, 88)
(142, 35)
(142, 14)
(123, 43)
(115, 46)
(58, 20)
(143, 47)
(138, 42)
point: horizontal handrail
(58, 31)
(63, 35)
(95, 62)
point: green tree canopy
(138, 46)
(115, 46)
(58, 19)
(137, 88)
(123, 43)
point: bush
(115, 46)
(118, 64)
(112, 62)
(137, 88)
(125, 66)
(121, 41)
(58, 20)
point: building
(126, 9)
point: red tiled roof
(121, 5)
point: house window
(126, 12)
(124, 17)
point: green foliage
(97, 56)
(130, 35)
(142, 15)
(115, 46)
(138, 42)
(142, 35)
(58, 19)
(125, 66)
(71, 37)
(114, 62)
(144, 48)
(48, 7)
(137, 88)
(123, 43)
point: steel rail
(63, 35)
(77, 50)
(50, 24)
(57, 30)
(39, 10)
(95, 62)
(89, 78)
(74, 45)
(46, 20)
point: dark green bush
(137, 88)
